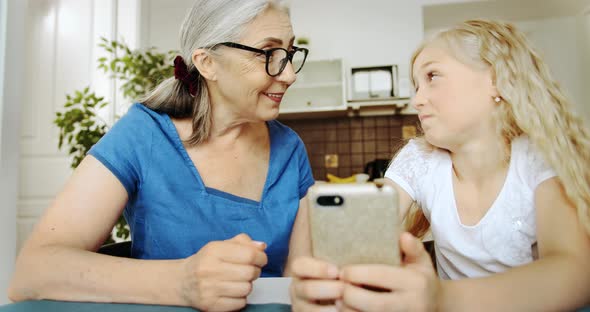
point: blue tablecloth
(62, 306)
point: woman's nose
(288, 75)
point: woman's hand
(413, 286)
(315, 285)
(219, 277)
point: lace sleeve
(538, 169)
(408, 168)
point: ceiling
(437, 14)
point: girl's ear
(493, 89)
(495, 94)
(204, 64)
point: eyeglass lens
(279, 59)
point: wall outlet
(331, 161)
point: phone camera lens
(332, 200)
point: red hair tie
(187, 78)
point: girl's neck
(476, 161)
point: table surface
(268, 294)
(63, 306)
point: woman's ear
(204, 64)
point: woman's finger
(240, 253)
(317, 289)
(359, 299)
(234, 289)
(379, 276)
(299, 304)
(344, 308)
(231, 272)
(413, 251)
(244, 239)
(307, 267)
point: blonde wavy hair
(533, 103)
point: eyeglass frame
(268, 53)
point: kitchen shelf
(319, 88)
(320, 91)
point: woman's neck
(225, 131)
(227, 125)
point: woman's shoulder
(140, 120)
(139, 113)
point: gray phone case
(363, 229)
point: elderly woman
(209, 183)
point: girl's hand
(413, 286)
(315, 285)
(219, 276)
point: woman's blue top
(170, 211)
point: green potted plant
(80, 125)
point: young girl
(501, 173)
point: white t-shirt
(502, 238)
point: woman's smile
(276, 97)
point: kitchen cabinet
(320, 87)
(321, 91)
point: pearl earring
(497, 99)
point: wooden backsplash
(356, 140)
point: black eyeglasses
(276, 58)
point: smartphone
(356, 223)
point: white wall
(61, 54)
(512, 10)
(3, 21)
(160, 23)
(370, 32)
(362, 33)
(557, 28)
(12, 18)
(61, 31)
(584, 42)
(557, 40)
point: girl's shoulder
(418, 159)
(526, 153)
(419, 151)
(529, 161)
(416, 163)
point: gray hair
(208, 23)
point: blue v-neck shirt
(170, 211)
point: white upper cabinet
(320, 86)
